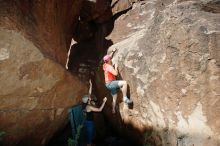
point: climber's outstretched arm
(90, 88)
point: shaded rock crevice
(90, 42)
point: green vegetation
(147, 136)
(2, 133)
(74, 142)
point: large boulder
(169, 52)
(35, 88)
(48, 24)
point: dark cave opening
(90, 46)
(86, 54)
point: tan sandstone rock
(169, 52)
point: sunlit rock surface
(169, 53)
(35, 88)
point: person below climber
(110, 73)
(88, 108)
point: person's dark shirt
(89, 116)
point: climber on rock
(110, 73)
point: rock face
(169, 53)
(48, 24)
(35, 90)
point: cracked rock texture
(169, 52)
(35, 90)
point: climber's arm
(90, 88)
